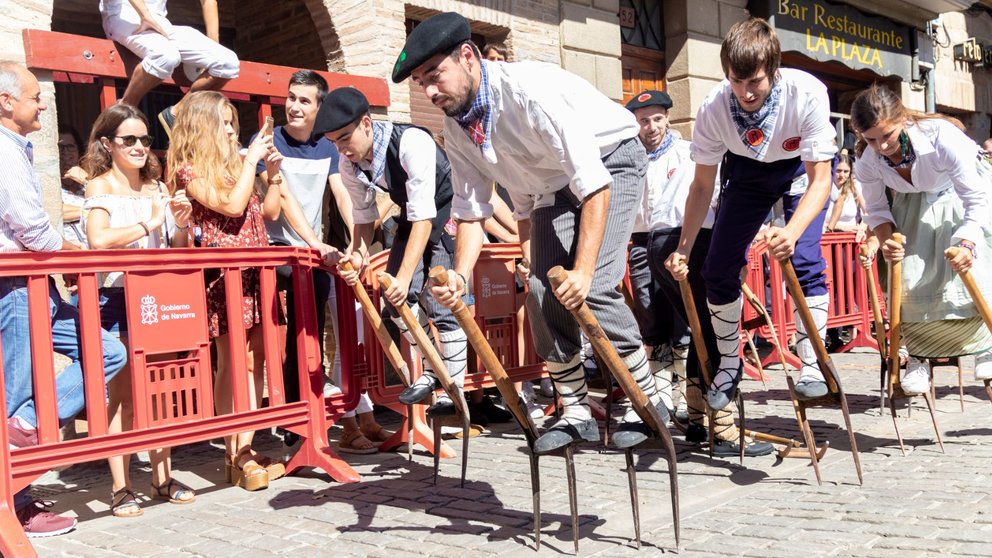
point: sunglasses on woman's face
(129, 141)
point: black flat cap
(649, 98)
(339, 108)
(440, 33)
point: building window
(642, 24)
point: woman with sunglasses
(127, 206)
(203, 159)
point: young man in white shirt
(774, 125)
(669, 175)
(570, 160)
(405, 162)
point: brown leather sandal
(247, 473)
(377, 435)
(356, 443)
(275, 468)
(173, 492)
(124, 503)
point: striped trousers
(553, 241)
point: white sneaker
(534, 409)
(983, 366)
(330, 390)
(916, 380)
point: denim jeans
(17, 363)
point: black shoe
(443, 408)
(632, 433)
(726, 448)
(718, 399)
(418, 392)
(812, 389)
(290, 438)
(696, 433)
(488, 412)
(564, 433)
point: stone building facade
(621, 46)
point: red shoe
(37, 521)
(20, 437)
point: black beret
(339, 108)
(440, 33)
(649, 98)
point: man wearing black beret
(669, 176)
(405, 162)
(570, 159)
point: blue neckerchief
(481, 109)
(371, 173)
(666, 144)
(758, 124)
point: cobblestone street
(921, 504)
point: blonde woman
(126, 206)
(203, 160)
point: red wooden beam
(65, 52)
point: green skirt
(939, 317)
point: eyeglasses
(68, 147)
(129, 141)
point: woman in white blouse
(939, 183)
(847, 205)
(127, 206)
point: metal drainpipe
(930, 93)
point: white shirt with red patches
(666, 188)
(803, 127)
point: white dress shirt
(668, 180)
(945, 158)
(418, 157)
(550, 130)
(802, 129)
(24, 225)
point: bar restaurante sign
(837, 32)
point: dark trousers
(749, 193)
(321, 291)
(661, 244)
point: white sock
(637, 363)
(726, 319)
(810, 371)
(662, 374)
(570, 381)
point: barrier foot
(634, 502)
(417, 429)
(310, 455)
(14, 542)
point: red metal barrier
(173, 403)
(496, 305)
(847, 289)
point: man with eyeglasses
(24, 226)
